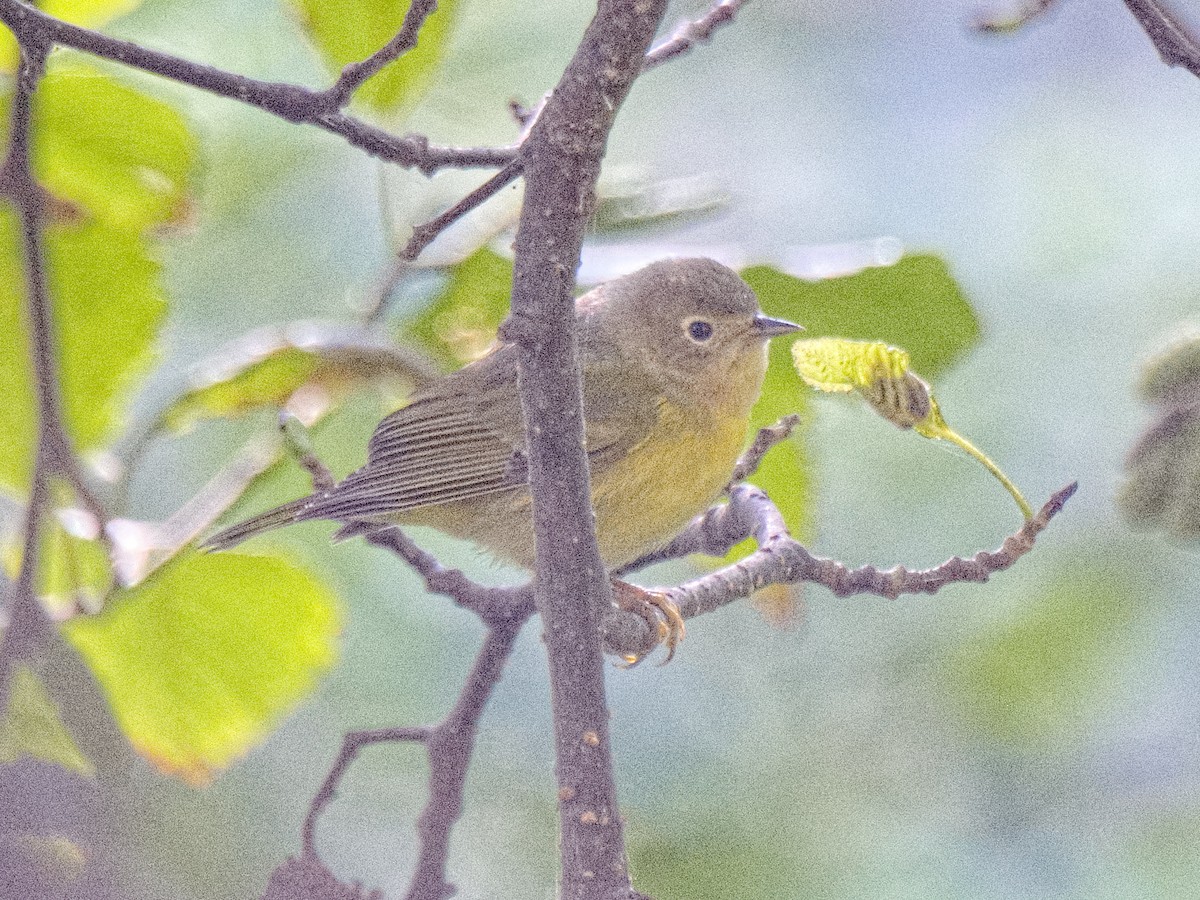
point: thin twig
(782, 560)
(355, 74)
(28, 626)
(352, 743)
(689, 34)
(495, 606)
(1175, 42)
(423, 235)
(290, 102)
(448, 746)
(766, 438)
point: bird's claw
(659, 612)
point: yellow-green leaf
(121, 155)
(461, 323)
(348, 31)
(201, 660)
(34, 728)
(107, 307)
(268, 366)
(880, 373)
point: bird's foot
(661, 615)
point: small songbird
(673, 358)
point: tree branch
(1174, 41)
(28, 626)
(782, 560)
(562, 162)
(689, 34)
(353, 75)
(290, 102)
(448, 747)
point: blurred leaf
(624, 206)
(88, 13)
(915, 304)
(202, 659)
(75, 571)
(107, 307)
(716, 863)
(1162, 488)
(462, 322)
(39, 866)
(1034, 681)
(33, 727)
(348, 31)
(267, 367)
(119, 154)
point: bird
(673, 358)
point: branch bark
(561, 159)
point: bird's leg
(660, 613)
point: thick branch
(290, 102)
(562, 162)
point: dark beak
(766, 327)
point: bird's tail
(272, 518)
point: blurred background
(1033, 737)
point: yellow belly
(641, 500)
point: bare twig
(288, 101)
(423, 235)
(495, 606)
(689, 34)
(352, 743)
(28, 627)
(1176, 44)
(766, 438)
(448, 747)
(355, 74)
(782, 560)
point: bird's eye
(699, 330)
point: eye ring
(699, 331)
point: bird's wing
(431, 451)
(467, 439)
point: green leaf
(34, 728)
(348, 31)
(107, 308)
(915, 304)
(202, 659)
(1033, 682)
(117, 153)
(462, 322)
(88, 13)
(268, 366)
